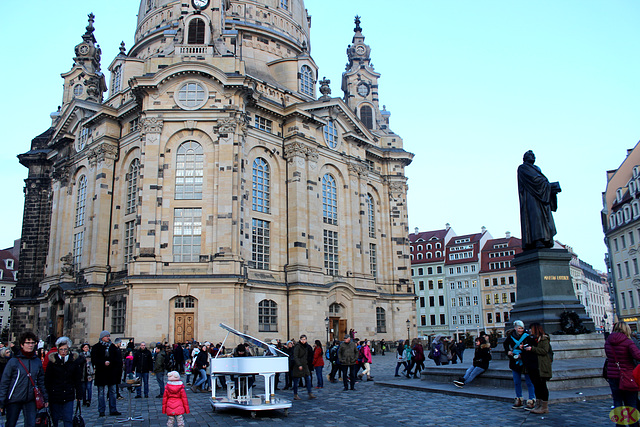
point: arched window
(334, 308)
(331, 134)
(437, 245)
(381, 320)
(117, 79)
(438, 254)
(196, 31)
(612, 221)
(429, 270)
(419, 256)
(635, 209)
(419, 247)
(371, 216)
(261, 186)
(306, 80)
(429, 255)
(132, 186)
(329, 200)
(366, 115)
(267, 316)
(189, 171)
(81, 200)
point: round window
(77, 90)
(191, 96)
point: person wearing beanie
(174, 400)
(107, 361)
(512, 342)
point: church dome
(284, 18)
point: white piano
(244, 368)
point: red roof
(8, 265)
(492, 256)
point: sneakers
(459, 382)
(531, 404)
(517, 404)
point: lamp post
(326, 325)
(408, 327)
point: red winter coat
(367, 354)
(317, 357)
(624, 350)
(174, 401)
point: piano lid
(255, 341)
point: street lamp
(326, 325)
(408, 327)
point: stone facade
(212, 185)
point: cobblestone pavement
(368, 405)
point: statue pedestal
(545, 289)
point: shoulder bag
(78, 421)
(36, 391)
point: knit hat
(173, 376)
(518, 323)
(104, 334)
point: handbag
(43, 419)
(78, 421)
(36, 391)
(627, 380)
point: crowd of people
(65, 377)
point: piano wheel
(253, 414)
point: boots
(543, 409)
(517, 404)
(531, 404)
(369, 378)
(312, 396)
(296, 397)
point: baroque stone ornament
(102, 152)
(325, 90)
(67, 264)
(227, 125)
(152, 125)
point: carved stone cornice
(295, 149)
(152, 125)
(226, 125)
(357, 169)
(102, 152)
(62, 174)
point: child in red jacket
(174, 400)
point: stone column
(151, 192)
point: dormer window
(619, 218)
(306, 80)
(632, 187)
(9, 263)
(612, 221)
(117, 79)
(627, 213)
(636, 171)
(635, 207)
(618, 194)
(197, 31)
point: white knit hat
(173, 376)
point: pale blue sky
(471, 85)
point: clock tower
(360, 81)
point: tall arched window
(366, 115)
(267, 316)
(381, 320)
(196, 31)
(132, 186)
(189, 171)
(81, 200)
(261, 186)
(329, 200)
(117, 79)
(371, 217)
(306, 80)
(331, 134)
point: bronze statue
(538, 197)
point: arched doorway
(184, 318)
(337, 325)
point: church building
(206, 182)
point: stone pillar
(295, 154)
(545, 289)
(150, 210)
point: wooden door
(60, 326)
(184, 325)
(342, 328)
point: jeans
(319, 376)
(517, 382)
(145, 384)
(335, 368)
(349, 376)
(472, 373)
(160, 381)
(28, 409)
(295, 384)
(620, 397)
(202, 378)
(87, 390)
(400, 364)
(62, 411)
(111, 395)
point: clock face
(363, 90)
(360, 50)
(83, 49)
(200, 4)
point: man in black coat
(143, 364)
(107, 360)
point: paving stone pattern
(369, 404)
